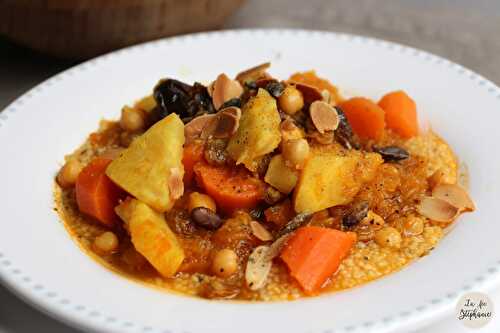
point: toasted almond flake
(276, 247)
(309, 93)
(195, 127)
(175, 183)
(455, 195)
(437, 209)
(324, 116)
(227, 122)
(253, 73)
(258, 267)
(260, 231)
(225, 89)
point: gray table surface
(465, 31)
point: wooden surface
(80, 29)
(466, 31)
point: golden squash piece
(280, 176)
(151, 236)
(258, 132)
(332, 176)
(147, 166)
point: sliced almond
(254, 73)
(258, 267)
(225, 89)
(309, 93)
(227, 123)
(276, 247)
(437, 209)
(455, 195)
(175, 183)
(324, 116)
(260, 231)
(195, 127)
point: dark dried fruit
(344, 134)
(298, 221)
(257, 213)
(215, 152)
(357, 213)
(206, 218)
(275, 88)
(173, 96)
(392, 153)
(232, 102)
(251, 85)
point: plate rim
(420, 316)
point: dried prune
(275, 88)
(392, 153)
(206, 218)
(232, 102)
(357, 213)
(344, 134)
(173, 96)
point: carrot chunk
(231, 187)
(313, 254)
(193, 153)
(312, 79)
(400, 113)
(365, 117)
(96, 194)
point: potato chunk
(148, 167)
(280, 175)
(332, 176)
(258, 132)
(151, 236)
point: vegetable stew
(255, 188)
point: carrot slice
(400, 113)
(193, 153)
(365, 117)
(96, 194)
(313, 254)
(231, 187)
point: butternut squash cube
(145, 168)
(151, 236)
(280, 176)
(333, 176)
(258, 132)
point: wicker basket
(84, 28)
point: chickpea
(107, 242)
(132, 119)
(69, 173)
(413, 226)
(197, 199)
(388, 237)
(291, 100)
(295, 152)
(225, 263)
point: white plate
(44, 266)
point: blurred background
(40, 38)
